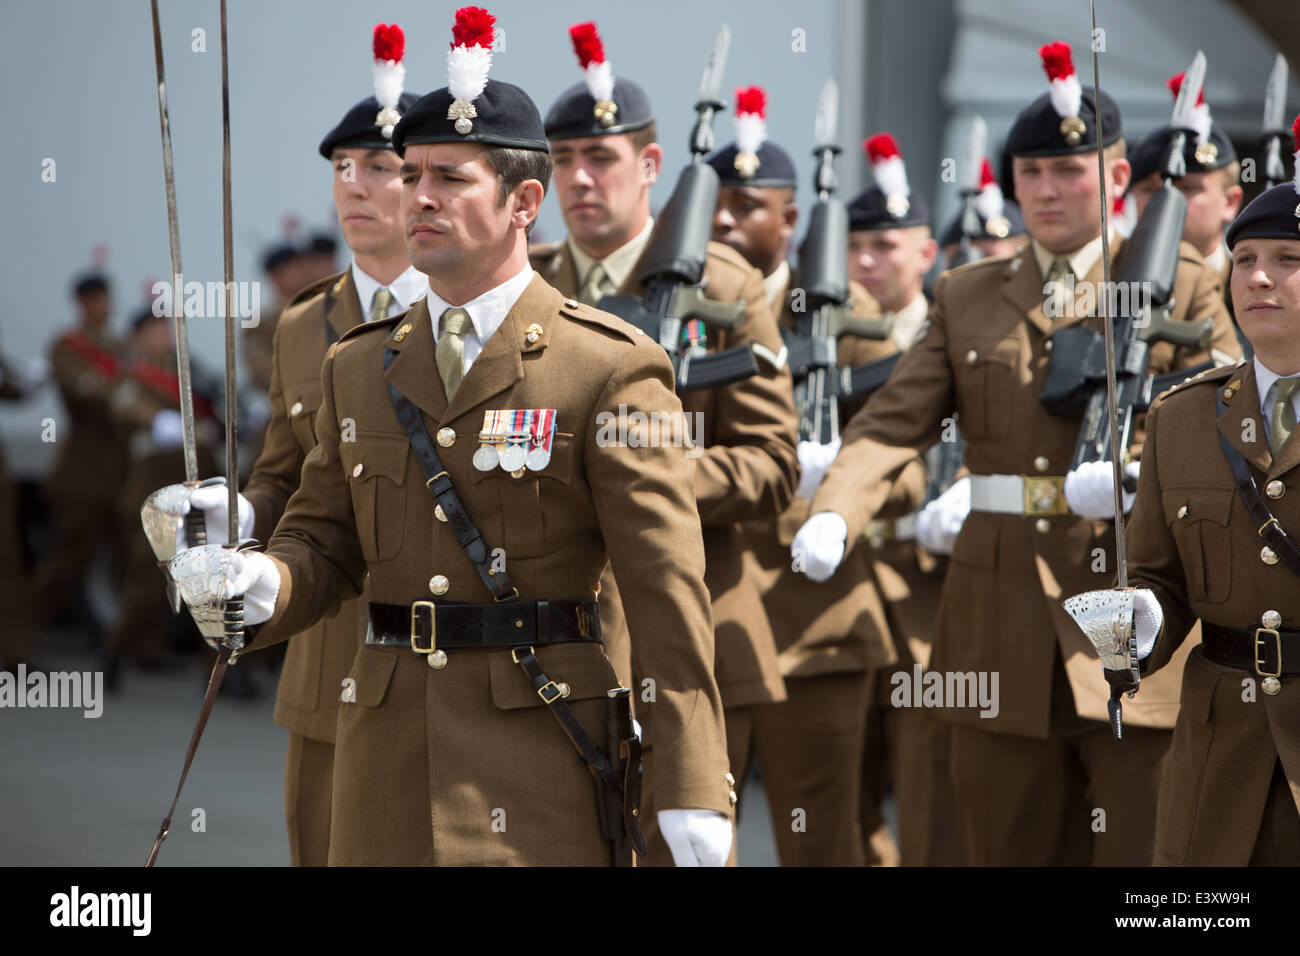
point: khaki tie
(379, 304)
(594, 288)
(451, 349)
(1056, 277)
(1282, 420)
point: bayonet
(1275, 130)
(976, 141)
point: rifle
(970, 189)
(1275, 131)
(823, 272)
(673, 270)
(1079, 381)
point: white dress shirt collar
(909, 320)
(407, 289)
(775, 285)
(486, 312)
(618, 264)
(1265, 379)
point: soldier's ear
(650, 162)
(1121, 173)
(528, 197)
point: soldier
(747, 470)
(905, 749)
(282, 265)
(91, 459)
(1001, 226)
(1033, 765)
(379, 283)
(827, 635)
(319, 259)
(1231, 781)
(466, 752)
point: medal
(487, 457)
(515, 454)
(539, 455)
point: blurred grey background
(77, 86)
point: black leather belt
(429, 626)
(1265, 651)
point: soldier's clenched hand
(213, 501)
(940, 521)
(814, 459)
(696, 837)
(818, 548)
(1090, 490)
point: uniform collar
(908, 321)
(618, 264)
(1264, 379)
(407, 289)
(487, 311)
(774, 286)
(1218, 259)
(1081, 260)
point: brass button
(438, 660)
(563, 688)
(570, 303)
(296, 409)
(1275, 489)
(439, 584)
(356, 472)
(1047, 346)
(971, 357)
(1267, 555)
(731, 781)
(532, 338)
(1041, 463)
(1272, 620)
(1272, 686)
(1182, 512)
(519, 474)
(1042, 526)
(446, 437)
(439, 513)
(732, 797)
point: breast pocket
(1198, 518)
(376, 471)
(532, 513)
(986, 374)
(301, 404)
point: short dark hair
(643, 137)
(514, 166)
(89, 283)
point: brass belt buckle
(1277, 643)
(416, 608)
(1044, 495)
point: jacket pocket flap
(374, 455)
(583, 667)
(371, 673)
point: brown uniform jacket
(1191, 541)
(307, 701)
(748, 469)
(838, 626)
(92, 457)
(985, 356)
(259, 342)
(467, 765)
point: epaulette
(1217, 374)
(364, 327)
(544, 250)
(725, 254)
(573, 309)
(315, 288)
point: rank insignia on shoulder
(515, 438)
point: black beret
(358, 129)
(90, 282)
(144, 317)
(573, 115)
(507, 116)
(868, 211)
(322, 244)
(1015, 226)
(1149, 152)
(1037, 130)
(1270, 215)
(775, 167)
(278, 256)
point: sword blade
(228, 247)
(189, 442)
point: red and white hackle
(468, 63)
(1064, 90)
(596, 71)
(389, 47)
(891, 175)
(751, 128)
(991, 205)
(1207, 154)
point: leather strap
(597, 763)
(330, 335)
(1268, 527)
(1264, 651)
(439, 484)
(465, 626)
(214, 684)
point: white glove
(212, 501)
(1090, 490)
(168, 429)
(814, 459)
(820, 544)
(1148, 616)
(939, 522)
(696, 837)
(254, 575)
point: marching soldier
(379, 283)
(603, 174)
(1033, 766)
(482, 671)
(1204, 543)
(282, 264)
(1001, 226)
(91, 461)
(905, 749)
(828, 635)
